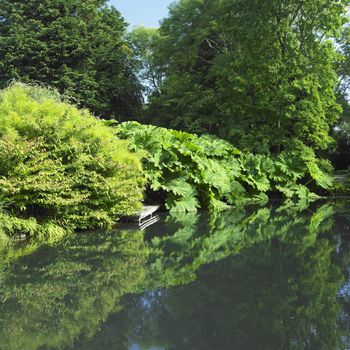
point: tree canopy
(78, 47)
(144, 41)
(262, 78)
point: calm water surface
(270, 278)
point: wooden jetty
(145, 213)
(136, 225)
(141, 218)
(341, 178)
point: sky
(145, 12)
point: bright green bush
(206, 172)
(62, 164)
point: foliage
(177, 257)
(343, 70)
(342, 132)
(263, 78)
(61, 165)
(277, 282)
(80, 280)
(340, 155)
(207, 172)
(143, 41)
(75, 46)
(48, 230)
(264, 271)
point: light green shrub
(62, 164)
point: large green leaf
(179, 187)
(207, 172)
(175, 204)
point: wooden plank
(138, 225)
(146, 223)
(145, 212)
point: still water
(269, 278)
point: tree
(263, 79)
(143, 41)
(75, 46)
(343, 69)
(340, 155)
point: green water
(250, 278)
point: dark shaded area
(77, 47)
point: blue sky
(145, 12)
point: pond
(273, 277)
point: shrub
(61, 163)
(207, 172)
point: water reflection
(256, 278)
(58, 294)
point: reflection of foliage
(277, 294)
(178, 257)
(71, 290)
(246, 276)
(12, 250)
(276, 287)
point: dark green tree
(76, 46)
(260, 74)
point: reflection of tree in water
(263, 279)
(69, 291)
(270, 296)
(342, 226)
(272, 286)
(176, 258)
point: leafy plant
(61, 165)
(194, 172)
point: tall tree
(73, 45)
(340, 153)
(144, 41)
(259, 73)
